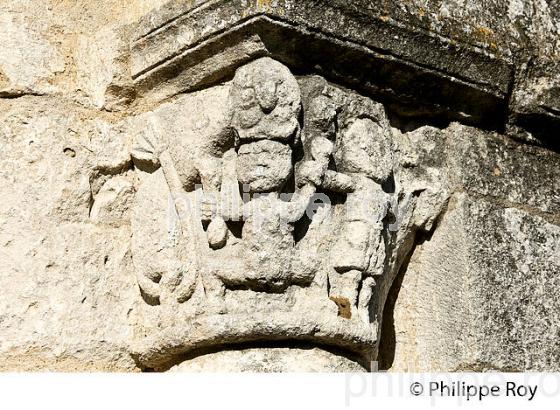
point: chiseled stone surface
(269, 360)
(486, 267)
(487, 271)
(68, 281)
(159, 161)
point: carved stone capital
(267, 211)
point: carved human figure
(363, 152)
(265, 102)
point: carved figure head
(364, 144)
(265, 102)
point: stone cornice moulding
(187, 45)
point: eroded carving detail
(277, 227)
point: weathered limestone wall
(67, 284)
(464, 96)
(473, 297)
